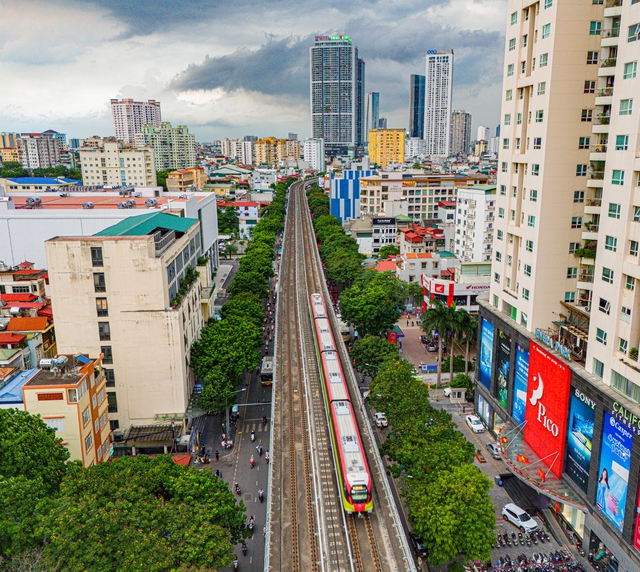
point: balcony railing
(612, 33)
(599, 149)
(602, 120)
(609, 63)
(613, 3)
(591, 227)
(598, 175)
(585, 277)
(605, 91)
(594, 202)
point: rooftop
(146, 224)
(27, 324)
(11, 338)
(48, 377)
(11, 392)
(42, 181)
(99, 200)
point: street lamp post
(226, 407)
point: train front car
(355, 480)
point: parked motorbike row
(557, 561)
(513, 539)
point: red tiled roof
(7, 338)
(24, 297)
(26, 272)
(46, 312)
(25, 264)
(386, 265)
(27, 324)
(26, 305)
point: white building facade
(129, 116)
(114, 164)
(314, 154)
(474, 223)
(437, 107)
(39, 150)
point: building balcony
(581, 285)
(609, 63)
(589, 235)
(593, 208)
(611, 33)
(607, 68)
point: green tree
(230, 250)
(13, 169)
(463, 380)
(459, 364)
(161, 178)
(142, 514)
(228, 221)
(216, 385)
(58, 171)
(453, 513)
(467, 327)
(344, 267)
(440, 318)
(244, 306)
(370, 352)
(388, 250)
(249, 282)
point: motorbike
(235, 564)
(244, 549)
(253, 435)
(260, 495)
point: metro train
(348, 451)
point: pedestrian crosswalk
(257, 427)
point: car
(380, 420)
(447, 391)
(519, 518)
(418, 546)
(424, 339)
(432, 347)
(474, 423)
(494, 450)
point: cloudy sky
(231, 67)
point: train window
(330, 355)
(350, 444)
(324, 330)
(342, 408)
(335, 378)
(327, 347)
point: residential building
(460, 132)
(411, 267)
(175, 147)
(562, 309)
(314, 154)
(248, 215)
(129, 116)
(482, 133)
(39, 341)
(10, 154)
(239, 149)
(113, 164)
(419, 239)
(372, 113)
(9, 140)
(262, 179)
(475, 218)
(372, 233)
(70, 394)
(287, 148)
(134, 285)
(386, 146)
(39, 151)
(437, 106)
(265, 151)
(23, 278)
(344, 193)
(60, 137)
(193, 179)
(382, 123)
(35, 185)
(462, 284)
(337, 94)
(415, 148)
(12, 378)
(416, 106)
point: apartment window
(519, 119)
(595, 28)
(99, 283)
(636, 214)
(629, 283)
(102, 308)
(572, 272)
(607, 275)
(537, 142)
(86, 416)
(517, 143)
(546, 31)
(514, 18)
(104, 331)
(535, 169)
(548, 4)
(604, 306)
(113, 402)
(634, 33)
(509, 95)
(496, 278)
(500, 235)
(510, 70)
(504, 166)
(590, 86)
(581, 170)
(544, 60)
(523, 65)
(576, 222)
(533, 195)
(617, 178)
(601, 336)
(592, 57)
(614, 210)
(625, 314)
(108, 354)
(507, 119)
(633, 247)
(531, 221)
(524, 319)
(505, 143)
(578, 196)
(626, 106)
(542, 88)
(573, 246)
(96, 257)
(498, 256)
(570, 297)
(622, 142)
(529, 245)
(512, 44)
(598, 368)
(500, 212)
(527, 270)
(88, 442)
(110, 376)
(611, 243)
(539, 116)
(509, 260)
(587, 115)
(630, 70)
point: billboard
(503, 358)
(486, 352)
(548, 387)
(520, 384)
(582, 412)
(636, 530)
(613, 473)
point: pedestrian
(217, 455)
(264, 531)
(252, 462)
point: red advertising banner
(636, 531)
(548, 389)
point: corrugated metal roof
(144, 225)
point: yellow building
(8, 154)
(386, 146)
(265, 151)
(69, 393)
(181, 180)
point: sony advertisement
(613, 473)
(486, 351)
(548, 387)
(520, 384)
(579, 438)
(503, 359)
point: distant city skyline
(223, 80)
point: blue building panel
(345, 194)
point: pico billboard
(548, 389)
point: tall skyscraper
(129, 116)
(314, 154)
(437, 105)
(460, 132)
(337, 94)
(38, 150)
(382, 123)
(372, 113)
(175, 147)
(416, 106)
(386, 146)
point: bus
(266, 371)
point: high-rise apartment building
(475, 220)
(114, 164)
(372, 113)
(9, 140)
(386, 146)
(314, 154)
(38, 150)
(482, 133)
(560, 330)
(239, 149)
(460, 132)
(416, 106)
(337, 94)
(437, 105)
(175, 147)
(129, 116)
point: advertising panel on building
(579, 438)
(548, 389)
(613, 473)
(520, 384)
(636, 530)
(502, 367)
(486, 353)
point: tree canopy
(228, 221)
(388, 250)
(370, 352)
